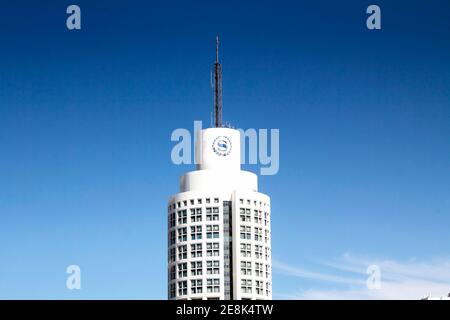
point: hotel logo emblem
(222, 146)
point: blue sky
(86, 118)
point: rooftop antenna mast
(217, 89)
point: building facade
(219, 235)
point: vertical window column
(227, 248)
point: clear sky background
(86, 118)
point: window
(267, 288)
(212, 214)
(257, 215)
(245, 215)
(212, 249)
(182, 270)
(196, 232)
(258, 251)
(192, 202)
(196, 286)
(258, 234)
(172, 237)
(212, 267)
(172, 290)
(259, 287)
(182, 234)
(267, 271)
(241, 201)
(172, 273)
(182, 217)
(196, 250)
(267, 253)
(172, 255)
(196, 214)
(207, 200)
(266, 218)
(246, 286)
(182, 252)
(212, 285)
(212, 231)
(246, 250)
(196, 268)
(245, 232)
(182, 288)
(199, 201)
(246, 268)
(185, 203)
(172, 220)
(216, 200)
(266, 237)
(259, 269)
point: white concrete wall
(218, 148)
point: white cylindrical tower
(219, 244)
(219, 224)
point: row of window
(246, 251)
(212, 232)
(212, 214)
(212, 250)
(196, 215)
(255, 202)
(212, 267)
(260, 270)
(212, 285)
(196, 233)
(260, 217)
(192, 202)
(197, 201)
(245, 233)
(247, 287)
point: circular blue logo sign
(222, 146)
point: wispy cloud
(303, 273)
(411, 279)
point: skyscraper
(219, 240)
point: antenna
(217, 89)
